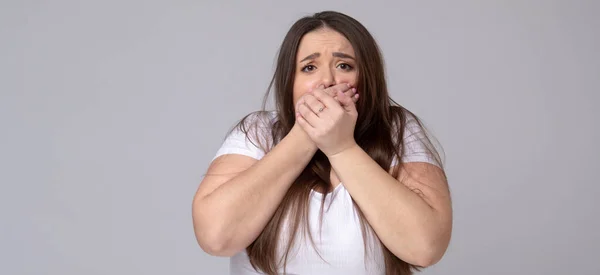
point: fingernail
(348, 84)
(354, 90)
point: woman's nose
(327, 79)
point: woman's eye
(308, 68)
(345, 67)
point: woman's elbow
(215, 245)
(210, 236)
(427, 259)
(216, 249)
(431, 252)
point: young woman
(339, 179)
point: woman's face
(324, 57)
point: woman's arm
(411, 214)
(240, 194)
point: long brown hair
(379, 131)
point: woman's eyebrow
(310, 57)
(342, 55)
(335, 54)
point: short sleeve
(417, 146)
(237, 141)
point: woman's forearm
(412, 229)
(235, 213)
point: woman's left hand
(329, 122)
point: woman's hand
(332, 91)
(328, 116)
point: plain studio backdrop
(110, 112)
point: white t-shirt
(340, 241)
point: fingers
(346, 102)
(343, 87)
(306, 113)
(333, 90)
(309, 107)
(314, 104)
(326, 99)
(351, 93)
(344, 99)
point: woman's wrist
(303, 138)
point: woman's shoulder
(261, 119)
(402, 117)
(256, 127)
(418, 142)
(250, 136)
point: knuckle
(318, 94)
(303, 109)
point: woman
(339, 179)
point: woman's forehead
(324, 41)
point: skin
(239, 194)
(411, 214)
(325, 58)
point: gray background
(110, 112)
